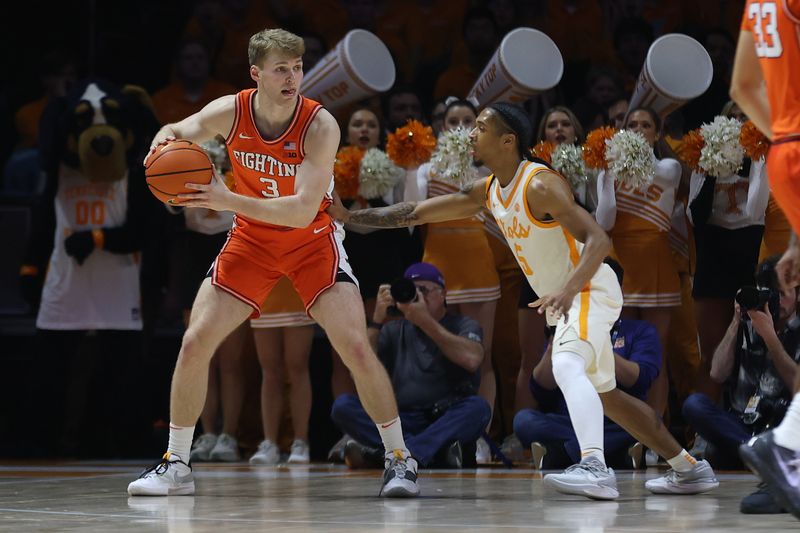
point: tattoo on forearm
(393, 216)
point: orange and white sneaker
(169, 477)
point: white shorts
(588, 330)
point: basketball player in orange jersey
(282, 148)
(560, 248)
(769, 52)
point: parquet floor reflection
(88, 496)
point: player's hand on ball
(156, 143)
(216, 195)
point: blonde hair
(268, 40)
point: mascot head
(98, 129)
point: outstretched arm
(467, 202)
(747, 84)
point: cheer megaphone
(676, 70)
(359, 66)
(526, 63)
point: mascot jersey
(103, 292)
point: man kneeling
(433, 358)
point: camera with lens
(764, 293)
(403, 291)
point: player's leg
(688, 476)
(775, 455)
(215, 314)
(340, 312)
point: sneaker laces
(594, 467)
(162, 466)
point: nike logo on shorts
(562, 343)
(243, 136)
(320, 230)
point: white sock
(583, 403)
(392, 436)
(180, 441)
(683, 462)
(787, 434)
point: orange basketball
(173, 165)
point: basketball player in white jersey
(561, 250)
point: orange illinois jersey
(267, 168)
(775, 25)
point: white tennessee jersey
(103, 292)
(545, 251)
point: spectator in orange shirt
(192, 87)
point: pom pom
(452, 161)
(345, 171)
(378, 174)
(568, 160)
(594, 149)
(722, 154)
(411, 145)
(691, 146)
(218, 153)
(544, 150)
(755, 143)
(630, 158)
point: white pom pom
(630, 158)
(378, 174)
(218, 153)
(452, 161)
(568, 160)
(722, 154)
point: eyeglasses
(427, 290)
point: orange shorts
(251, 263)
(783, 169)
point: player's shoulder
(323, 125)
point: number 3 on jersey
(765, 25)
(270, 189)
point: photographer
(757, 361)
(433, 358)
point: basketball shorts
(587, 330)
(250, 265)
(783, 169)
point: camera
(752, 298)
(403, 291)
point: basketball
(173, 165)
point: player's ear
(254, 72)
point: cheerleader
(639, 220)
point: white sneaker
(651, 458)
(400, 477)
(267, 454)
(699, 479)
(226, 449)
(169, 477)
(201, 450)
(483, 454)
(512, 448)
(589, 478)
(538, 451)
(299, 452)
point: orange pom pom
(594, 149)
(755, 143)
(544, 150)
(345, 171)
(411, 145)
(691, 145)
